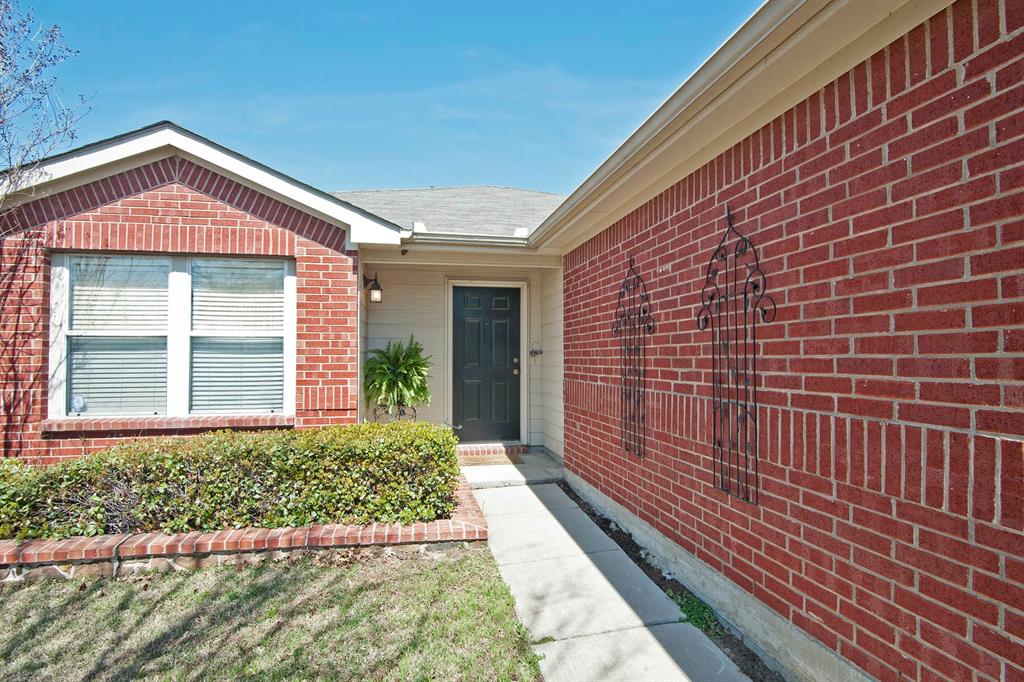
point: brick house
(848, 489)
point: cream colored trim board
(787, 51)
(800, 656)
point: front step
(529, 468)
(490, 453)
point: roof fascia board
(156, 142)
(42, 187)
(461, 238)
(461, 255)
(753, 90)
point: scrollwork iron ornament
(733, 301)
(633, 324)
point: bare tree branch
(34, 121)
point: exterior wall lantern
(376, 292)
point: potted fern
(395, 379)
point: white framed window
(171, 335)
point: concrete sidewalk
(599, 616)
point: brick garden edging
(109, 555)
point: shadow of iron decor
(733, 301)
(633, 324)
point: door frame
(524, 345)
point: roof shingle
(480, 210)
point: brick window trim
(156, 424)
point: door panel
(500, 347)
(485, 363)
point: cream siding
(415, 303)
(551, 361)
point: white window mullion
(57, 406)
(290, 332)
(179, 322)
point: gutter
(466, 239)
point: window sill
(192, 422)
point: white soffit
(166, 139)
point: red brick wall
(170, 206)
(888, 213)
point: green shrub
(394, 473)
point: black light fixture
(376, 292)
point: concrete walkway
(598, 615)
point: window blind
(237, 294)
(119, 293)
(117, 375)
(237, 375)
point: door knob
(515, 371)
(515, 361)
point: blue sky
(355, 96)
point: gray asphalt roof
(480, 210)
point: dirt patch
(733, 647)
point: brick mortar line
(115, 558)
(967, 613)
(845, 415)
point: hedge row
(398, 472)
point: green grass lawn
(443, 617)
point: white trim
(524, 317)
(459, 255)
(291, 314)
(179, 334)
(361, 228)
(179, 326)
(57, 383)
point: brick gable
(171, 206)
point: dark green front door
(486, 365)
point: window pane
(119, 293)
(243, 376)
(117, 376)
(240, 294)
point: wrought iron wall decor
(733, 301)
(633, 324)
